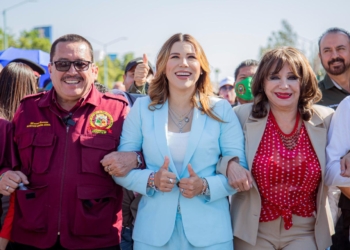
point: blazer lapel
(254, 130)
(318, 137)
(197, 128)
(160, 134)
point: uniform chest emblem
(100, 122)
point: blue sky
(230, 31)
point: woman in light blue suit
(182, 131)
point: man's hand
(163, 179)
(119, 163)
(192, 186)
(10, 180)
(238, 177)
(141, 72)
(345, 165)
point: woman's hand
(163, 179)
(238, 177)
(192, 186)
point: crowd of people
(164, 162)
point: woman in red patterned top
(287, 206)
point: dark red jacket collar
(93, 97)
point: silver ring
(108, 169)
(171, 181)
(7, 188)
(182, 190)
(238, 189)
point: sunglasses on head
(227, 87)
(64, 66)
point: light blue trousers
(179, 241)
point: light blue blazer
(206, 220)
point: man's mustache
(338, 59)
(70, 78)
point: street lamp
(105, 73)
(4, 14)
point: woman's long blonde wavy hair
(159, 88)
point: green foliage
(10, 40)
(288, 37)
(115, 69)
(31, 40)
(26, 40)
(284, 37)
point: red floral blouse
(287, 179)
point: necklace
(180, 123)
(180, 117)
(290, 141)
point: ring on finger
(108, 168)
(7, 188)
(182, 190)
(171, 181)
(238, 189)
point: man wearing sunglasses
(71, 201)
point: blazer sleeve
(241, 112)
(338, 145)
(231, 143)
(131, 140)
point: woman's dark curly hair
(271, 63)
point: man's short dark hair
(74, 38)
(333, 30)
(246, 63)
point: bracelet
(150, 182)
(205, 190)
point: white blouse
(177, 143)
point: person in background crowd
(119, 85)
(184, 202)
(100, 87)
(245, 69)
(334, 53)
(37, 69)
(243, 91)
(287, 207)
(138, 75)
(227, 91)
(70, 202)
(17, 80)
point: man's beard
(338, 70)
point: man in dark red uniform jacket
(62, 135)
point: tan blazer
(246, 206)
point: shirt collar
(336, 85)
(328, 82)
